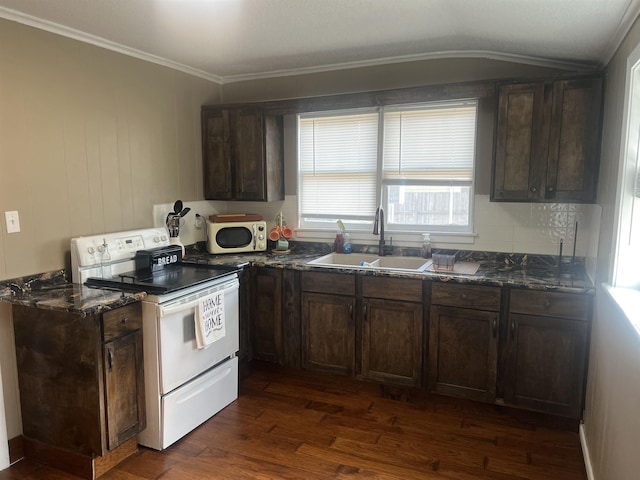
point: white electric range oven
(184, 385)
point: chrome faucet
(379, 220)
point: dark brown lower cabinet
(122, 388)
(546, 347)
(328, 333)
(81, 381)
(266, 314)
(328, 325)
(463, 340)
(373, 328)
(392, 333)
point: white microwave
(236, 237)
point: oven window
(234, 237)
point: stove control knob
(260, 237)
(156, 239)
(163, 238)
(91, 250)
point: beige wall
(89, 141)
(611, 428)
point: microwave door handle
(255, 236)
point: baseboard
(16, 449)
(585, 454)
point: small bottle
(105, 260)
(426, 245)
(346, 247)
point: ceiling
(232, 40)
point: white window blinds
(435, 142)
(338, 165)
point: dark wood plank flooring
(290, 424)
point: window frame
(626, 255)
(362, 224)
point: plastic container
(426, 245)
(347, 247)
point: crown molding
(626, 22)
(58, 29)
(505, 57)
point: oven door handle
(191, 301)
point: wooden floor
(289, 424)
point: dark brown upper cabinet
(547, 141)
(242, 154)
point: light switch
(13, 222)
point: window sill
(627, 300)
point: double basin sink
(369, 261)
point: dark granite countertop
(539, 272)
(52, 290)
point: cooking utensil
(177, 207)
(184, 212)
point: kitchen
(94, 139)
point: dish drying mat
(460, 268)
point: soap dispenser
(426, 245)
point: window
(415, 160)
(627, 262)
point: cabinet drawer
(339, 284)
(472, 296)
(392, 288)
(550, 304)
(121, 321)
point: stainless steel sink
(371, 261)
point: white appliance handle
(187, 303)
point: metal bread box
(157, 258)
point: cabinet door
(574, 140)
(328, 333)
(124, 388)
(216, 161)
(463, 352)
(266, 314)
(247, 152)
(521, 143)
(546, 364)
(392, 342)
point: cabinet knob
(124, 320)
(465, 296)
(533, 189)
(547, 304)
(550, 188)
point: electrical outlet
(13, 222)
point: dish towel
(210, 319)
